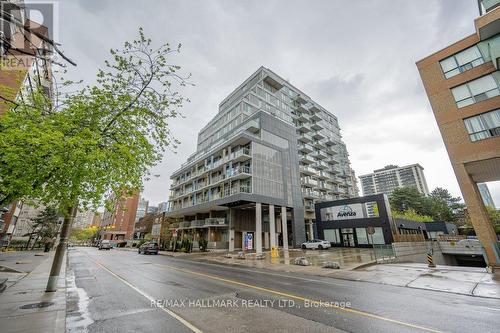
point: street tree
(45, 225)
(93, 141)
(440, 205)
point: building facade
(25, 65)
(387, 179)
(268, 155)
(24, 224)
(462, 82)
(83, 219)
(119, 223)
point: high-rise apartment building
(387, 179)
(462, 82)
(269, 154)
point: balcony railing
(307, 170)
(215, 221)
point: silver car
(105, 245)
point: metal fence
(384, 253)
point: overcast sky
(355, 58)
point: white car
(470, 243)
(316, 244)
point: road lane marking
(171, 313)
(304, 299)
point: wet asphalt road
(116, 291)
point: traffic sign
(370, 230)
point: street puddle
(79, 318)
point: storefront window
(362, 236)
(378, 236)
(332, 235)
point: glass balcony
(185, 224)
(317, 126)
(319, 155)
(215, 221)
(306, 148)
(309, 194)
(315, 117)
(197, 223)
(239, 172)
(318, 135)
(303, 128)
(307, 170)
(306, 159)
(320, 165)
(329, 141)
(241, 155)
(305, 137)
(308, 182)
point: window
(462, 61)
(362, 236)
(332, 235)
(477, 90)
(483, 126)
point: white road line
(173, 314)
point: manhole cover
(37, 305)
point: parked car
(316, 244)
(469, 243)
(105, 245)
(149, 248)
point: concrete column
(258, 228)
(230, 216)
(478, 214)
(311, 230)
(272, 226)
(266, 240)
(231, 240)
(284, 228)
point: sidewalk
(26, 307)
(471, 281)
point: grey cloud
(356, 58)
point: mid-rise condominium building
(269, 154)
(119, 223)
(462, 82)
(387, 179)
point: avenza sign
(343, 212)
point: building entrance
(348, 237)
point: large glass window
(461, 61)
(362, 236)
(483, 126)
(478, 90)
(377, 237)
(332, 235)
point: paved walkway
(30, 291)
(360, 266)
(471, 281)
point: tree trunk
(34, 243)
(61, 249)
(28, 243)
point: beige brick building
(462, 82)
